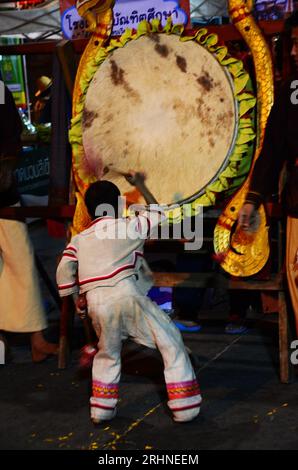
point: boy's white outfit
(106, 261)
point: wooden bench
(276, 283)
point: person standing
(21, 308)
(280, 148)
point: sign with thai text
(32, 173)
(127, 14)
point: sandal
(235, 329)
(187, 326)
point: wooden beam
(42, 47)
(285, 338)
(206, 280)
(226, 32)
(67, 58)
(43, 212)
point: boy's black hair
(105, 194)
(291, 21)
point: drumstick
(149, 198)
(108, 169)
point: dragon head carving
(89, 9)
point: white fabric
(106, 252)
(122, 312)
(182, 408)
(21, 308)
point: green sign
(11, 67)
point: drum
(163, 106)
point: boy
(108, 260)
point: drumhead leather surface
(162, 106)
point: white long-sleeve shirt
(106, 252)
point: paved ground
(244, 407)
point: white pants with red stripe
(122, 312)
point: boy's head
(102, 198)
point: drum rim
(227, 179)
(226, 160)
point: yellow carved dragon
(99, 16)
(244, 254)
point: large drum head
(165, 107)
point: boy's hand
(135, 178)
(138, 179)
(81, 306)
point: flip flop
(234, 329)
(190, 327)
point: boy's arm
(67, 270)
(152, 216)
(138, 180)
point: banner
(127, 14)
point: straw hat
(42, 84)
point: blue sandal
(187, 326)
(235, 329)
